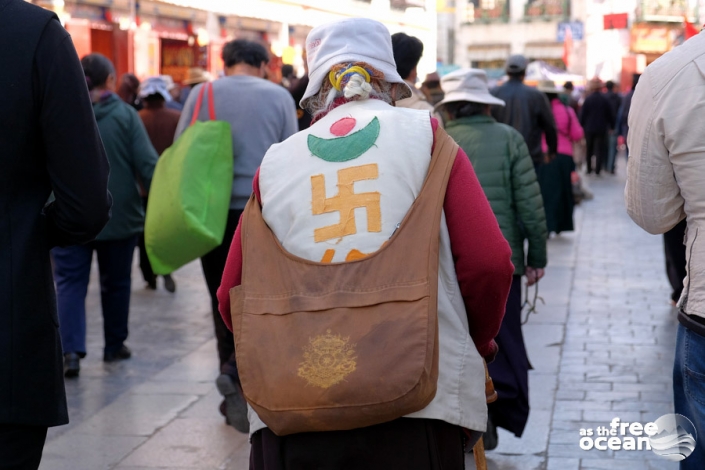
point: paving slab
(189, 443)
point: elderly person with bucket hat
(504, 168)
(367, 190)
(555, 177)
(160, 121)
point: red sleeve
(232, 275)
(481, 254)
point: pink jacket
(567, 126)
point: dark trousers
(611, 152)
(145, 265)
(72, 269)
(21, 446)
(510, 369)
(405, 443)
(557, 193)
(674, 249)
(597, 144)
(213, 264)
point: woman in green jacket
(130, 154)
(504, 167)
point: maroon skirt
(405, 443)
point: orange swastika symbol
(345, 202)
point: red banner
(689, 29)
(616, 21)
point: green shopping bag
(190, 193)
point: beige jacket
(417, 100)
(666, 169)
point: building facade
(152, 37)
(609, 39)
(489, 31)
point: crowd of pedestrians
(505, 170)
(336, 177)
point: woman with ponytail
(129, 153)
(336, 193)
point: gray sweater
(260, 114)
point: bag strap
(199, 102)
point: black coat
(615, 102)
(48, 142)
(528, 111)
(596, 115)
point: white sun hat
(154, 86)
(169, 81)
(467, 85)
(350, 40)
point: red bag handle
(199, 102)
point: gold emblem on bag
(328, 359)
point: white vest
(338, 191)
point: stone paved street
(601, 346)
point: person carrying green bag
(260, 114)
(189, 200)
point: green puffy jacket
(504, 168)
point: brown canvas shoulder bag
(323, 347)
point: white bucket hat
(350, 40)
(467, 85)
(169, 81)
(154, 86)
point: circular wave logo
(675, 439)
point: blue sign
(576, 28)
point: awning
(543, 50)
(170, 31)
(488, 52)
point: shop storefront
(489, 57)
(152, 37)
(654, 40)
(549, 52)
(93, 28)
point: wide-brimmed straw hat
(467, 85)
(350, 40)
(196, 75)
(549, 86)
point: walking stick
(479, 449)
